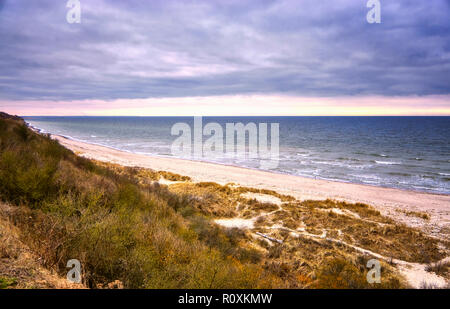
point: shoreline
(392, 202)
(70, 138)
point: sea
(410, 153)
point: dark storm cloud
(142, 49)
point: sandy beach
(391, 202)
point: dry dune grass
(318, 236)
(19, 266)
(142, 175)
(359, 224)
(418, 214)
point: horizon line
(238, 105)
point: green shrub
(22, 132)
(26, 179)
(7, 282)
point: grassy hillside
(68, 207)
(122, 225)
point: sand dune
(392, 202)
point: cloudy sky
(225, 57)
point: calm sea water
(400, 152)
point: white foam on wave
(374, 177)
(387, 162)
(341, 164)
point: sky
(225, 57)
